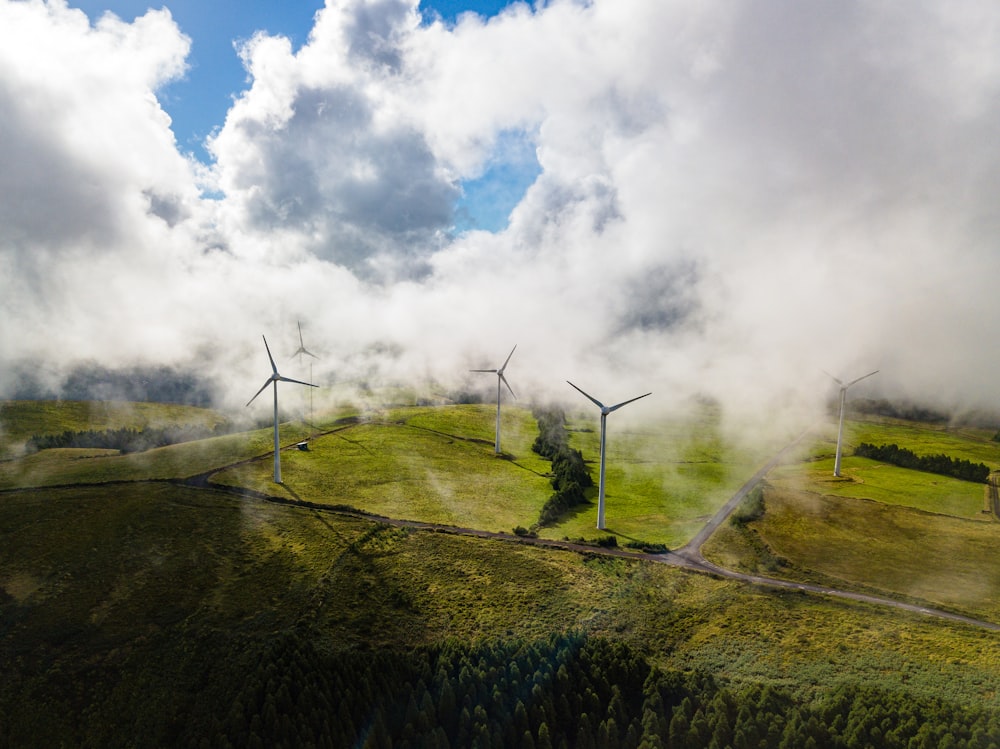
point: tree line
(944, 465)
(125, 439)
(569, 472)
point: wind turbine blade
(861, 378)
(301, 344)
(591, 398)
(832, 377)
(258, 393)
(282, 378)
(492, 371)
(270, 358)
(625, 403)
(504, 381)
(508, 358)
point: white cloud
(733, 196)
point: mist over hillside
(151, 383)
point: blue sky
(198, 103)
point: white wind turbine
(605, 410)
(274, 379)
(303, 350)
(840, 429)
(500, 378)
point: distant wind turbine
(500, 378)
(302, 346)
(303, 350)
(840, 430)
(605, 410)
(273, 380)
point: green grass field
(862, 478)
(663, 481)
(80, 466)
(878, 528)
(117, 598)
(867, 545)
(974, 444)
(21, 420)
(434, 464)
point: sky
(709, 198)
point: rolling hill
(161, 599)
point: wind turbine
(274, 379)
(302, 346)
(840, 430)
(500, 378)
(605, 410)
(303, 350)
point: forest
(564, 691)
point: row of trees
(944, 465)
(569, 472)
(127, 440)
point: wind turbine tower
(605, 410)
(303, 350)
(840, 429)
(273, 380)
(500, 379)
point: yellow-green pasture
(968, 443)
(433, 464)
(665, 479)
(21, 420)
(437, 464)
(862, 478)
(86, 466)
(863, 544)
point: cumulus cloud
(731, 197)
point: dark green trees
(943, 465)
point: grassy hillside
(880, 528)
(664, 480)
(85, 466)
(863, 544)
(150, 609)
(101, 576)
(21, 420)
(434, 464)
